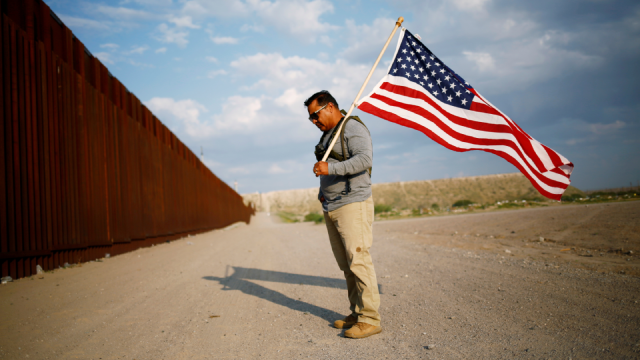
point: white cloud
(220, 39)
(149, 2)
(499, 69)
(139, 64)
(161, 50)
(110, 46)
(297, 18)
(239, 170)
(240, 114)
(601, 129)
(184, 21)
(366, 41)
(277, 73)
(211, 164)
(104, 57)
(276, 169)
(137, 50)
(172, 35)
(120, 13)
(279, 114)
(255, 28)
(505, 49)
(300, 19)
(186, 113)
(324, 39)
(291, 99)
(574, 141)
(212, 59)
(483, 61)
(470, 5)
(76, 22)
(214, 73)
(224, 40)
(226, 9)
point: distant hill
(413, 194)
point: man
(345, 194)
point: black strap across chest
(345, 153)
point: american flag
(422, 93)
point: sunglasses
(314, 115)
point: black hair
(323, 97)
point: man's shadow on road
(239, 280)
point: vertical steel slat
(25, 145)
(64, 139)
(44, 147)
(56, 202)
(84, 215)
(32, 147)
(18, 204)
(40, 135)
(4, 241)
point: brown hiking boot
(362, 330)
(346, 323)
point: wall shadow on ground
(239, 280)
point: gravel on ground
(481, 286)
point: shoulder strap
(345, 153)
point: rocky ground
(463, 286)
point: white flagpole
(353, 105)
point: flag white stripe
(460, 144)
(469, 115)
(460, 112)
(465, 130)
(540, 151)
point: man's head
(323, 110)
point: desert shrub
(532, 198)
(381, 208)
(315, 217)
(288, 217)
(435, 207)
(510, 205)
(572, 197)
(460, 203)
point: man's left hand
(321, 168)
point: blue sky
(230, 77)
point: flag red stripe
(367, 107)
(465, 138)
(521, 137)
(480, 107)
(555, 158)
(511, 122)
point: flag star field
(418, 64)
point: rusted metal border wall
(85, 168)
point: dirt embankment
(413, 194)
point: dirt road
(466, 286)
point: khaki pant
(351, 237)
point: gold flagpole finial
(400, 20)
